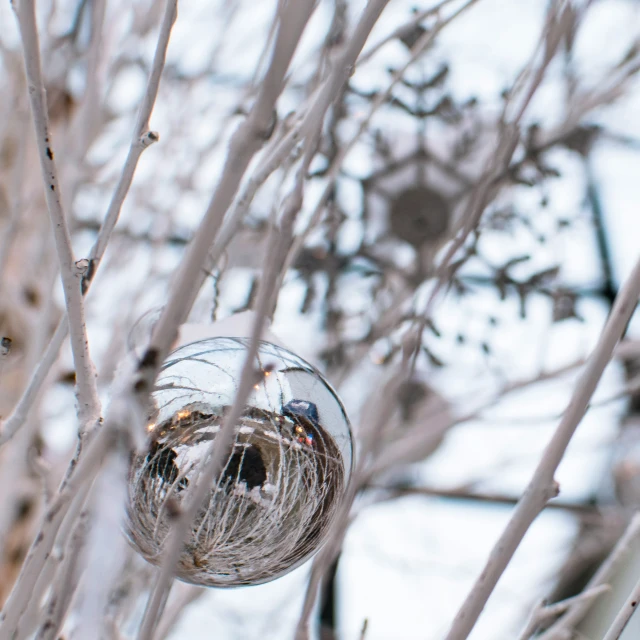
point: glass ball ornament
(282, 484)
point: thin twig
(624, 615)
(88, 402)
(416, 443)
(403, 29)
(110, 496)
(244, 144)
(73, 490)
(563, 627)
(381, 407)
(219, 450)
(489, 184)
(142, 139)
(175, 607)
(425, 40)
(390, 492)
(543, 612)
(542, 486)
(285, 147)
(64, 587)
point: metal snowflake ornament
(282, 483)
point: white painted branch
(245, 142)
(184, 596)
(244, 145)
(64, 586)
(587, 597)
(541, 612)
(219, 450)
(102, 569)
(73, 490)
(542, 486)
(343, 65)
(87, 395)
(223, 440)
(565, 625)
(142, 139)
(624, 615)
(307, 126)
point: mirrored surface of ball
(281, 484)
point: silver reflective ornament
(282, 483)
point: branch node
(82, 266)
(149, 138)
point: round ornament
(283, 481)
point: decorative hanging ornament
(282, 483)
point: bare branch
(425, 40)
(73, 491)
(88, 402)
(64, 587)
(624, 615)
(142, 139)
(564, 626)
(244, 144)
(542, 612)
(542, 486)
(219, 450)
(186, 594)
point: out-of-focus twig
(563, 627)
(186, 594)
(402, 30)
(73, 491)
(417, 442)
(424, 41)
(394, 491)
(306, 125)
(219, 449)
(543, 612)
(489, 185)
(243, 147)
(65, 584)
(245, 143)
